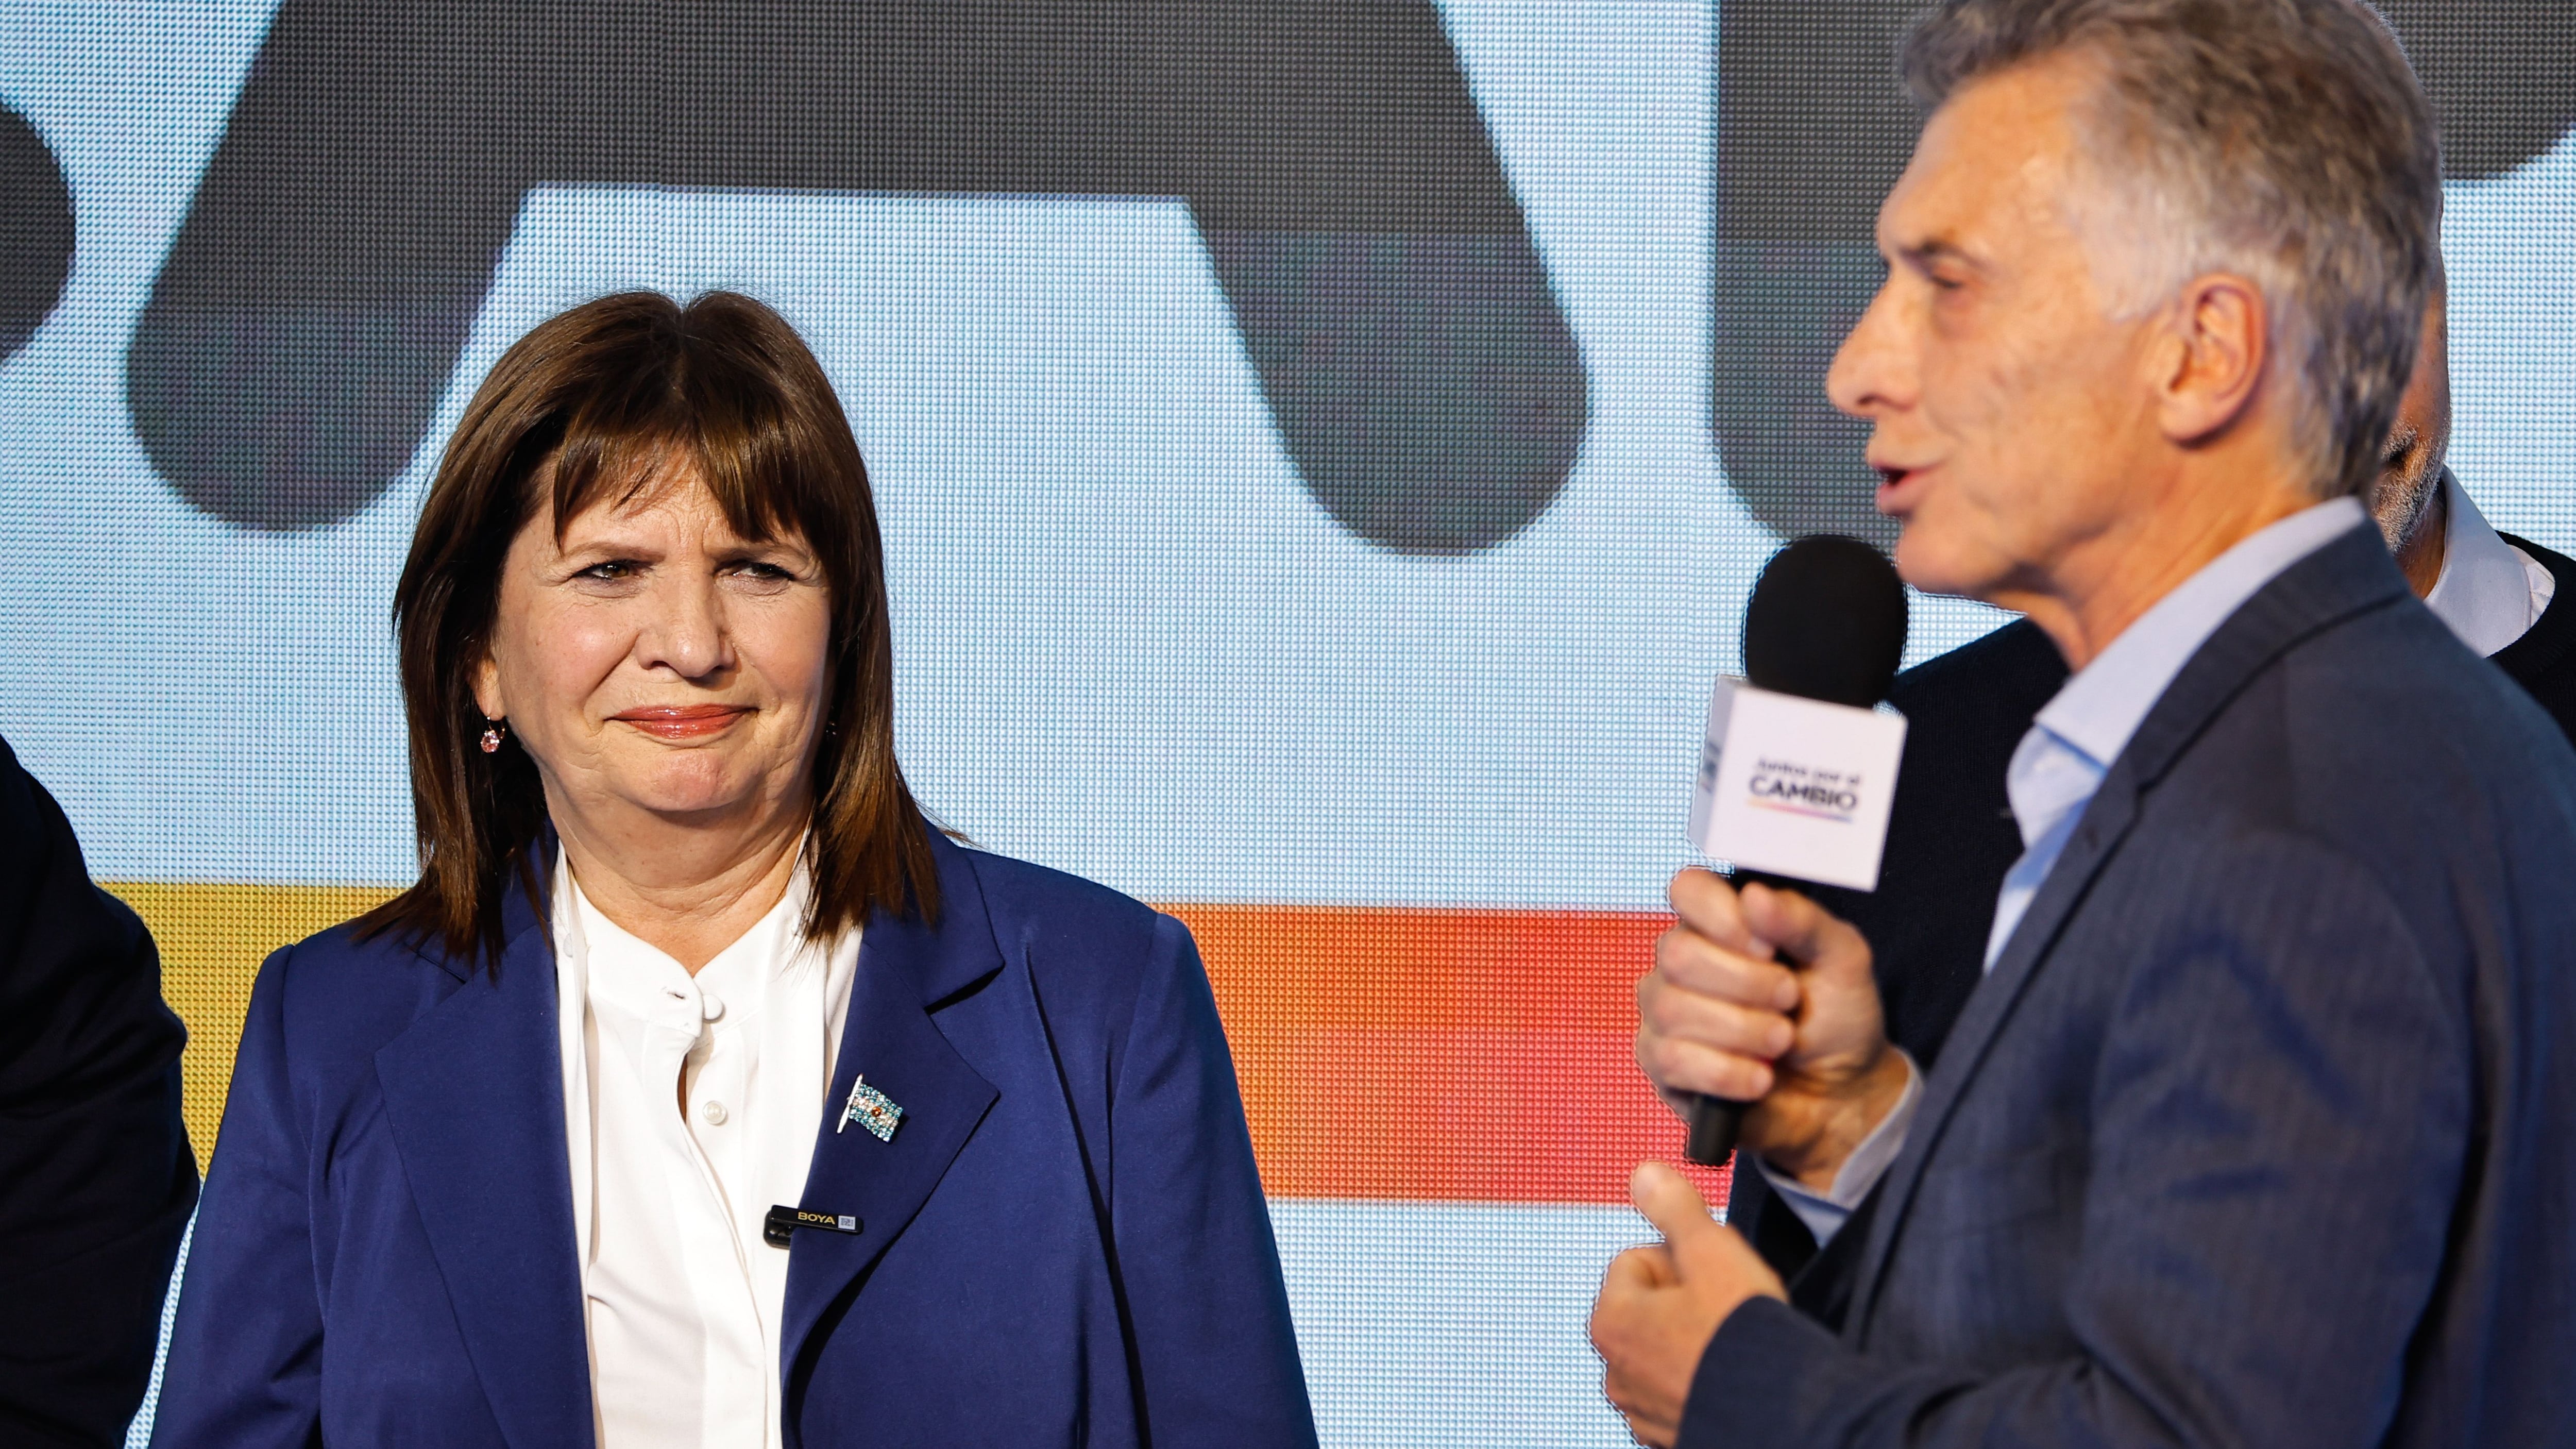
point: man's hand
(1722, 1015)
(1660, 1306)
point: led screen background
(1323, 449)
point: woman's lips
(683, 721)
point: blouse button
(713, 1111)
(710, 1004)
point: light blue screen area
(2510, 242)
(1128, 643)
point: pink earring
(492, 736)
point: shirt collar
(2103, 705)
(2484, 592)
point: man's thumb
(1675, 1208)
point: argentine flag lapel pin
(871, 1109)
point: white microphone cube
(1796, 787)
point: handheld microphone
(1799, 771)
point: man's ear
(2210, 363)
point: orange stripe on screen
(1475, 1055)
(1391, 1053)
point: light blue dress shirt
(2061, 762)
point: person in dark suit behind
(701, 1093)
(96, 1175)
(2261, 1127)
(2506, 597)
(1951, 835)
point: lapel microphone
(1798, 771)
(779, 1228)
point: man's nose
(1872, 372)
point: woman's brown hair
(596, 406)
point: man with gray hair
(2261, 1128)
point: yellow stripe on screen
(212, 939)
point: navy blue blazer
(1064, 1243)
(2263, 1129)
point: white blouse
(690, 1107)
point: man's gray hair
(2286, 141)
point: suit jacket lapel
(2347, 576)
(2106, 822)
(905, 968)
(474, 1097)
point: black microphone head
(1826, 621)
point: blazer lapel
(906, 967)
(2349, 575)
(474, 1096)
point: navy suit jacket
(2263, 1129)
(1064, 1243)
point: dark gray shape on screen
(1412, 350)
(2502, 75)
(35, 231)
(1813, 127)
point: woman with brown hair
(701, 1093)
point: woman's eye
(613, 569)
(764, 572)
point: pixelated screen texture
(1322, 452)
